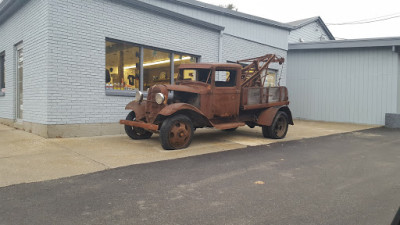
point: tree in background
(230, 6)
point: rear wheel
(176, 132)
(136, 133)
(279, 127)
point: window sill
(125, 93)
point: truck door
(226, 93)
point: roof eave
(171, 14)
(354, 43)
(9, 7)
(328, 32)
(320, 21)
(231, 13)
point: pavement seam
(85, 156)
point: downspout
(221, 34)
(396, 49)
(398, 79)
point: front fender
(138, 107)
(197, 117)
(173, 108)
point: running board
(224, 126)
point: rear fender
(139, 108)
(267, 116)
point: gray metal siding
(309, 33)
(343, 85)
(236, 48)
(272, 36)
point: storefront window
(124, 65)
(156, 68)
(182, 59)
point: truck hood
(190, 87)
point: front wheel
(176, 132)
(136, 133)
(279, 127)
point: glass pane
(225, 78)
(182, 59)
(156, 67)
(270, 79)
(122, 66)
(202, 75)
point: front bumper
(147, 126)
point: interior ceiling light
(157, 63)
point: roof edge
(170, 14)
(312, 20)
(350, 43)
(9, 7)
(216, 9)
(328, 32)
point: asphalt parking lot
(25, 157)
(347, 178)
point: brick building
(68, 68)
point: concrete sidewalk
(25, 157)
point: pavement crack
(84, 156)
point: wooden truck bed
(263, 97)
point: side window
(225, 78)
(195, 75)
(2, 74)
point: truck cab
(223, 84)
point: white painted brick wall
(235, 48)
(29, 25)
(78, 29)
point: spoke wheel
(136, 133)
(279, 127)
(176, 132)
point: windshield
(202, 75)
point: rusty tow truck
(220, 95)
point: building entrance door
(20, 80)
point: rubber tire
(270, 131)
(136, 133)
(230, 130)
(166, 128)
(265, 131)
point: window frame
(2, 72)
(225, 84)
(132, 93)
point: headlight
(160, 98)
(139, 96)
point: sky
(338, 11)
